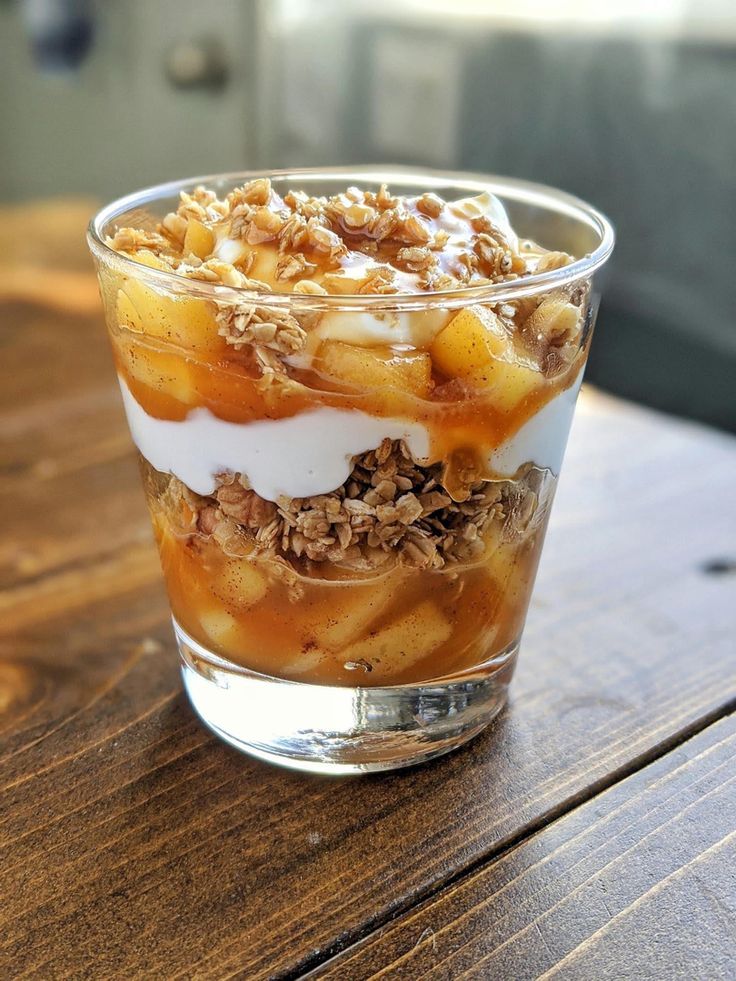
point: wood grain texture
(638, 883)
(134, 844)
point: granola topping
(358, 243)
(418, 244)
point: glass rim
(511, 188)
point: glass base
(332, 730)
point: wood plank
(69, 485)
(50, 354)
(131, 842)
(638, 883)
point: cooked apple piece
(188, 323)
(160, 370)
(476, 347)
(238, 581)
(183, 571)
(198, 239)
(161, 530)
(265, 261)
(305, 661)
(150, 259)
(501, 562)
(127, 314)
(512, 568)
(376, 367)
(185, 321)
(508, 566)
(472, 338)
(351, 611)
(340, 282)
(403, 642)
(221, 627)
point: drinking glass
(296, 646)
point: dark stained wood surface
(133, 844)
(640, 882)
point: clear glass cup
(331, 666)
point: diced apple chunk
(127, 314)
(476, 347)
(403, 642)
(147, 258)
(185, 321)
(220, 626)
(501, 563)
(352, 609)
(376, 367)
(305, 661)
(239, 582)
(340, 282)
(198, 239)
(265, 261)
(162, 371)
(508, 566)
(471, 339)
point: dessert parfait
(350, 410)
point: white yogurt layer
(542, 439)
(298, 456)
(311, 453)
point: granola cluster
(316, 237)
(390, 509)
(267, 333)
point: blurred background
(629, 103)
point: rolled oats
(316, 235)
(261, 327)
(369, 521)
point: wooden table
(590, 833)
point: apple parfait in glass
(350, 409)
